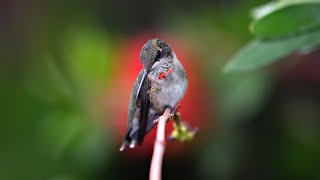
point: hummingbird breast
(170, 90)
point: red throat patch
(165, 74)
(162, 75)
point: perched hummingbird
(161, 84)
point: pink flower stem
(159, 147)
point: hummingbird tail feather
(131, 139)
(123, 145)
(132, 136)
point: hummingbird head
(152, 51)
(156, 56)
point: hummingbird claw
(173, 111)
(167, 106)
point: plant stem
(159, 147)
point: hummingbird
(161, 84)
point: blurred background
(67, 69)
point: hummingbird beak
(145, 73)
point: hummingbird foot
(174, 111)
(168, 107)
(165, 107)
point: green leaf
(87, 53)
(283, 18)
(259, 53)
(264, 10)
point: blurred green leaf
(283, 18)
(45, 80)
(74, 144)
(260, 52)
(63, 177)
(264, 10)
(237, 98)
(59, 129)
(87, 53)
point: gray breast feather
(170, 90)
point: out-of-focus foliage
(239, 99)
(51, 114)
(86, 50)
(236, 99)
(283, 18)
(60, 64)
(261, 52)
(281, 28)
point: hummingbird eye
(158, 55)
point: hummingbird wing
(141, 104)
(144, 110)
(133, 107)
(133, 96)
